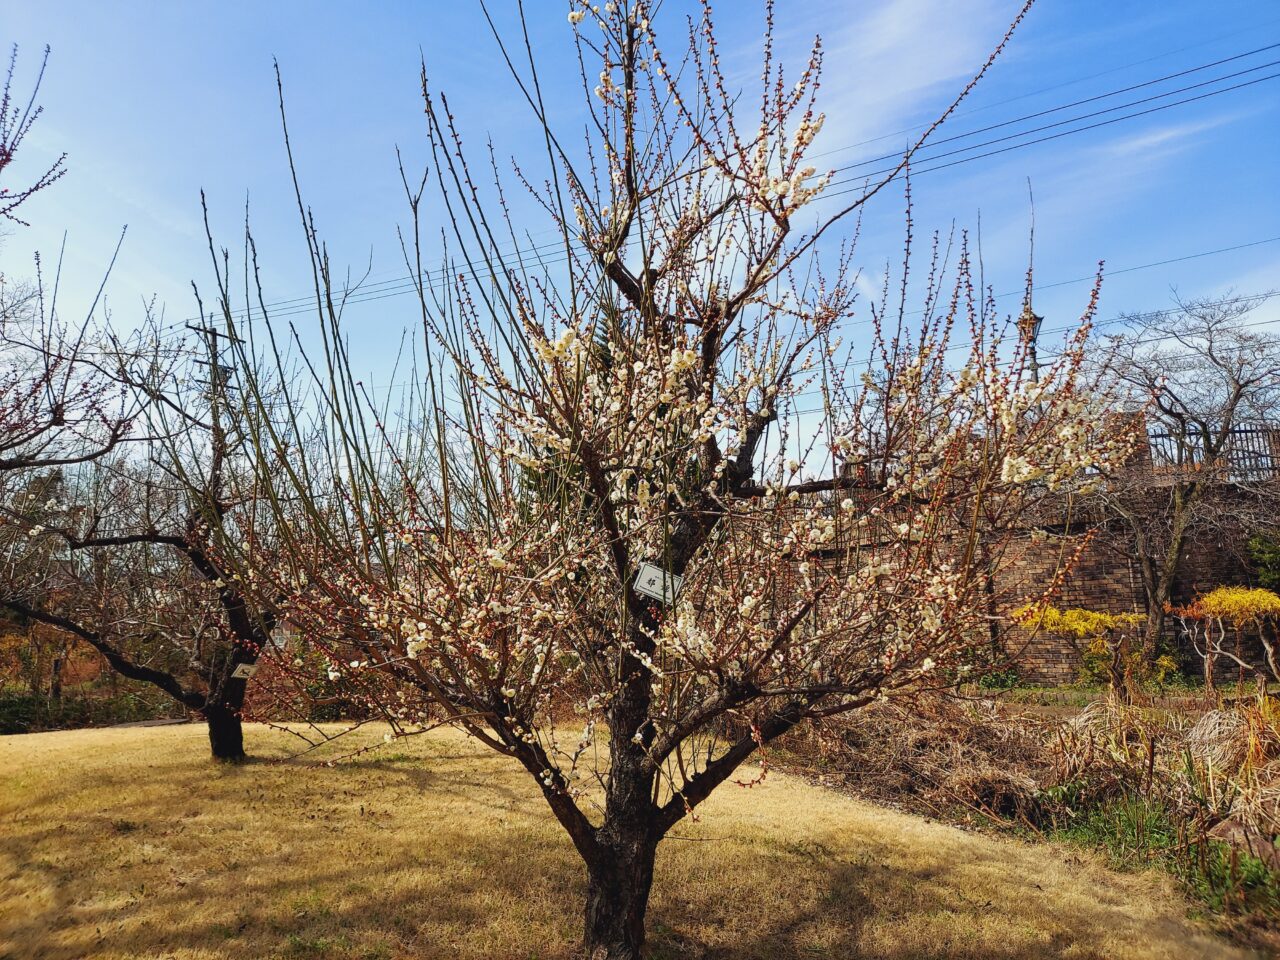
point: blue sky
(153, 102)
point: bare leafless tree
(128, 555)
(1208, 382)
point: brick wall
(1104, 579)
(1099, 579)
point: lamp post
(1029, 331)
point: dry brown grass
(127, 843)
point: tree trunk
(226, 738)
(1209, 657)
(1269, 648)
(1159, 598)
(620, 860)
(222, 713)
(1154, 628)
(618, 885)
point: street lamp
(1029, 331)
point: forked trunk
(618, 885)
(226, 738)
(1209, 686)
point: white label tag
(244, 671)
(655, 582)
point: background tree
(1209, 383)
(137, 434)
(133, 567)
(57, 406)
(63, 406)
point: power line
(1056, 136)
(1094, 99)
(404, 285)
(1057, 86)
(916, 173)
(934, 143)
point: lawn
(128, 843)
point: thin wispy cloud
(1165, 138)
(887, 66)
(899, 64)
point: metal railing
(1251, 452)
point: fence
(1251, 453)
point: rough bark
(222, 713)
(618, 885)
(620, 865)
(226, 737)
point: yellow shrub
(1093, 626)
(1238, 605)
(1076, 621)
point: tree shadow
(454, 856)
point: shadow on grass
(448, 855)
